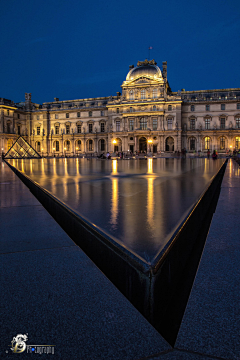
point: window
(143, 124)
(8, 112)
(222, 123)
(131, 95)
(192, 124)
(238, 143)
(222, 143)
(79, 129)
(57, 145)
(131, 125)
(90, 113)
(67, 129)
(238, 106)
(117, 110)
(143, 94)
(38, 146)
(90, 128)
(169, 107)
(102, 127)
(192, 108)
(207, 107)
(67, 115)
(131, 109)
(38, 130)
(37, 117)
(67, 145)
(8, 127)
(78, 145)
(154, 93)
(207, 143)
(56, 116)
(18, 115)
(131, 138)
(90, 145)
(207, 124)
(192, 144)
(102, 113)
(238, 123)
(169, 124)
(78, 114)
(154, 124)
(102, 145)
(117, 125)
(57, 130)
(154, 108)
(19, 130)
(222, 106)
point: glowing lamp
(114, 141)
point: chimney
(164, 71)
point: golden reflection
(150, 166)
(150, 201)
(54, 167)
(77, 167)
(22, 166)
(65, 167)
(114, 167)
(114, 203)
(31, 166)
(230, 168)
(77, 188)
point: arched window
(78, 145)
(131, 95)
(57, 145)
(67, 145)
(143, 94)
(90, 145)
(102, 144)
(192, 143)
(38, 146)
(222, 143)
(238, 143)
(207, 143)
(154, 93)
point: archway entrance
(169, 144)
(142, 144)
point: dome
(145, 68)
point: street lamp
(150, 143)
(114, 142)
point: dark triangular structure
(21, 149)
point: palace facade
(146, 116)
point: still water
(139, 203)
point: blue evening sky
(77, 49)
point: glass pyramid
(21, 149)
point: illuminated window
(56, 116)
(238, 123)
(207, 143)
(102, 127)
(207, 124)
(192, 108)
(192, 143)
(102, 145)
(131, 125)
(38, 130)
(57, 130)
(117, 125)
(192, 124)
(90, 145)
(222, 123)
(170, 124)
(154, 93)
(131, 95)
(90, 128)
(207, 107)
(79, 129)
(67, 115)
(238, 143)
(169, 107)
(67, 129)
(143, 124)
(222, 106)
(143, 94)
(222, 143)
(154, 124)
(78, 114)
(79, 144)
(57, 145)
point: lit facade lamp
(77, 150)
(65, 151)
(150, 143)
(54, 151)
(114, 143)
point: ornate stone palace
(147, 116)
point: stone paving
(53, 292)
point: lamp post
(114, 142)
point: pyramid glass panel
(21, 149)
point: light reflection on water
(136, 201)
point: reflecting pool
(139, 203)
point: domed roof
(144, 68)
